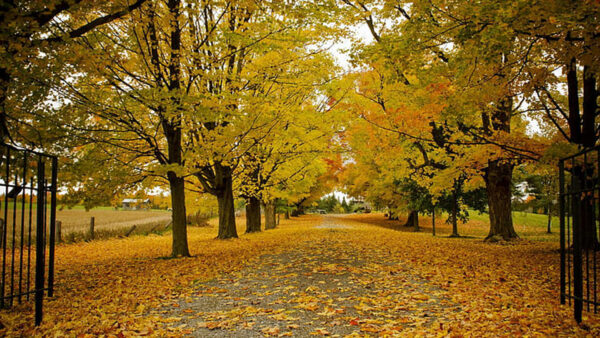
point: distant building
(135, 204)
(359, 205)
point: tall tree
(130, 101)
(452, 48)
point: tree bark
(172, 130)
(4, 84)
(298, 211)
(549, 217)
(224, 192)
(270, 222)
(287, 214)
(252, 215)
(590, 108)
(455, 210)
(574, 120)
(413, 220)
(588, 221)
(180, 243)
(433, 221)
(498, 178)
(584, 206)
(391, 215)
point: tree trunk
(298, 211)
(413, 220)
(224, 192)
(574, 120)
(588, 221)
(4, 84)
(180, 244)
(253, 215)
(549, 217)
(498, 179)
(590, 108)
(416, 221)
(270, 221)
(584, 206)
(392, 216)
(172, 130)
(287, 214)
(433, 221)
(455, 212)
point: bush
(198, 219)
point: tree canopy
(245, 100)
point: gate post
(40, 246)
(561, 206)
(53, 190)
(576, 177)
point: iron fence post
(53, 189)
(40, 243)
(577, 248)
(5, 228)
(561, 206)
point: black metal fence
(27, 226)
(579, 203)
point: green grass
(527, 225)
(520, 218)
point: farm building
(135, 204)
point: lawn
(527, 225)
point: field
(75, 223)
(79, 220)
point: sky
(360, 31)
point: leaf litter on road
(359, 279)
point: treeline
(332, 204)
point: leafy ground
(313, 275)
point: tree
(32, 33)
(302, 126)
(171, 103)
(133, 96)
(568, 34)
(450, 50)
(345, 205)
(244, 47)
